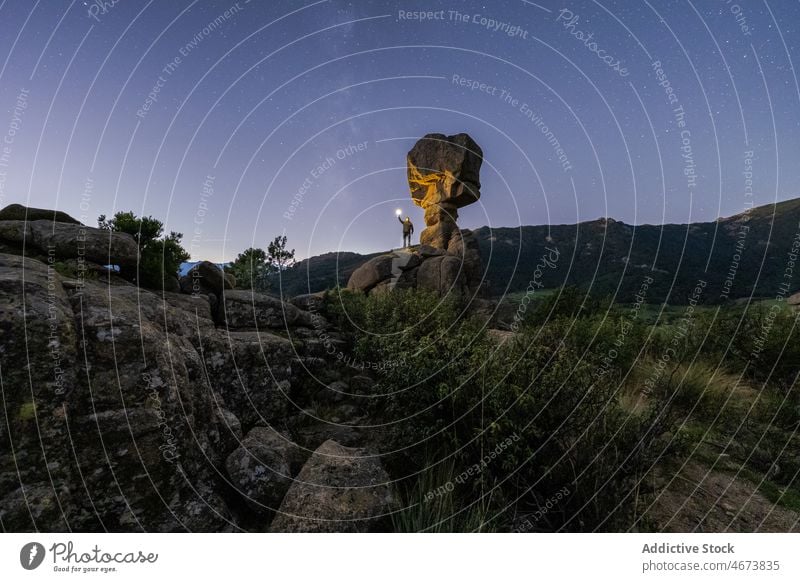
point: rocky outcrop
(20, 212)
(456, 270)
(125, 408)
(251, 310)
(62, 240)
(339, 489)
(374, 271)
(443, 176)
(108, 410)
(309, 301)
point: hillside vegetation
(590, 417)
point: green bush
(251, 270)
(567, 302)
(160, 256)
(461, 393)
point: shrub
(160, 256)
(537, 399)
(569, 302)
(251, 270)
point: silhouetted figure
(408, 230)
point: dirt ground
(699, 500)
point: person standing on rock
(408, 230)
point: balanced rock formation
(443, 176)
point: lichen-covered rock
(110, 409)
(249, 310)
(309, 301)
(339, 489)
(122, 405)
(38, 352)
(252, 374)
(63, 240)
(226, 433)
(262, 467)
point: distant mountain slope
(736, 257)
(318, 273)
(610, 257)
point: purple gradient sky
(262, 98)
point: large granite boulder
(64, 240)
(371, 273)
(262, 467)
(109, 412)
(339, 489)
(38, 347)
(125, 408)
(250, 310)
(20, 212)
(440, 275)
(454, 271)
(464, 245)
(206, 278)
(443, 176)
(252, 374)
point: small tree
(251, 269)
(254, 267)
(278, 257)
(160, 256)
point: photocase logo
(31, 555)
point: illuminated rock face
(443, 175)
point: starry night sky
(218, 117)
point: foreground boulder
(456, 270)
(123, 406)
(262, 467)
(339, 489)
(108, 413)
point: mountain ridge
(742, 255)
